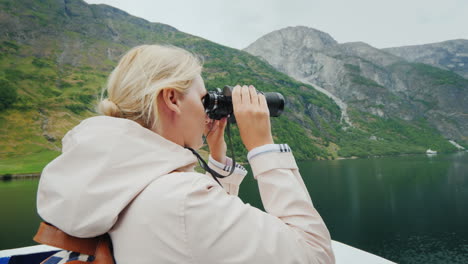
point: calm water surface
(409, 209)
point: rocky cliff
(449, 55)
(370, 80)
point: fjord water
(18, 217)
(409, 209)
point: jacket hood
(105, 163)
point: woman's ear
(171, 99)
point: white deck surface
(344, 254)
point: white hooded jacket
(115, 176)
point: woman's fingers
(215, 140)
(252, 117)
(222, 123)
(236, 97)
(215, 127)
(245, 95)
(208, 126)
(263, 103)
(253, 95)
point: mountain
(370, 80)
(56, 55)
(449, 55)
(55, 58)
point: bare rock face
(363, 51)
(286, 44)
(384, 83)
(449, 55)
(305, 37)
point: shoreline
(10, 176)
(385, 156)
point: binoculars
(218, 104)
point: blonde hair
(141, 74)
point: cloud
(377, 22)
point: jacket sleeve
(220, 228)
(231, 183)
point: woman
(130, 173)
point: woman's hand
(214, 132)
(252, 116)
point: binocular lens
(218, 104)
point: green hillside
(55, 57)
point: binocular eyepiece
(218, 104)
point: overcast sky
(380, 23)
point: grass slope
(58, 59)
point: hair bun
(109, 108)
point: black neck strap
(205, 166)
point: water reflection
(395, 206)
(409, 209)
(18, 217)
